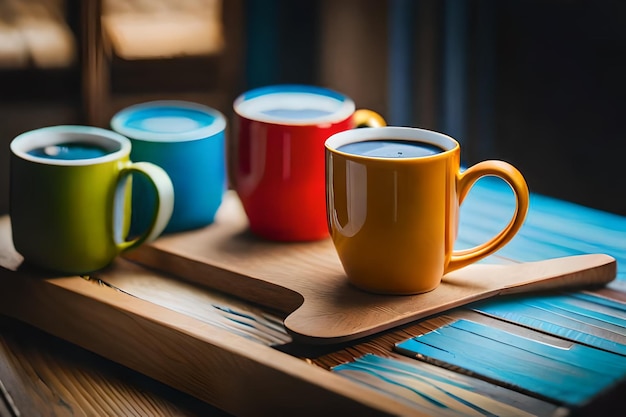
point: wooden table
(42, 374)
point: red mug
(277, 158)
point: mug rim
(346, 107)
(52, 135)
(119, 120)
(411, 134)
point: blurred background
(538, 83)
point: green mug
(70, 205)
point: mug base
(289, 235)
(394, 291)
(49, 270)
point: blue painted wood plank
(493, 189)
(582, 318)
(578, 356)
(493, 196)
(426, 388)
(545, 226)
(568, 376)
(556, 325)
(530, 235)
(566, 307)
(544, 380)
(540, 228)
(613, 304)
(553, 228)
(495, 343)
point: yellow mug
(393, 197)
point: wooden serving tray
(306, 280)
(212, 364)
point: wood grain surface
(307, 281)
(41, 375)
(209, 363)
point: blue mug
(187, 140)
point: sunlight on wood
(35, 32)
(163, 28)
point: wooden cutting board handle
(353, 314)
(561, 273)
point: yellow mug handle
(164, 205)
(368, 118)
(516, 181)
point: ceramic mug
(277, 156)
(393, 196)
(187, 140)
(69, 197)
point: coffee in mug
(69, 151)
(393, 198)
(391, 149)
(69, 202)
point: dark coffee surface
(297, 114)
(69, 151)
(391, 149)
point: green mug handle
(164, 205)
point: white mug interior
(294, 105)
(411, 134)
(168, 121)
